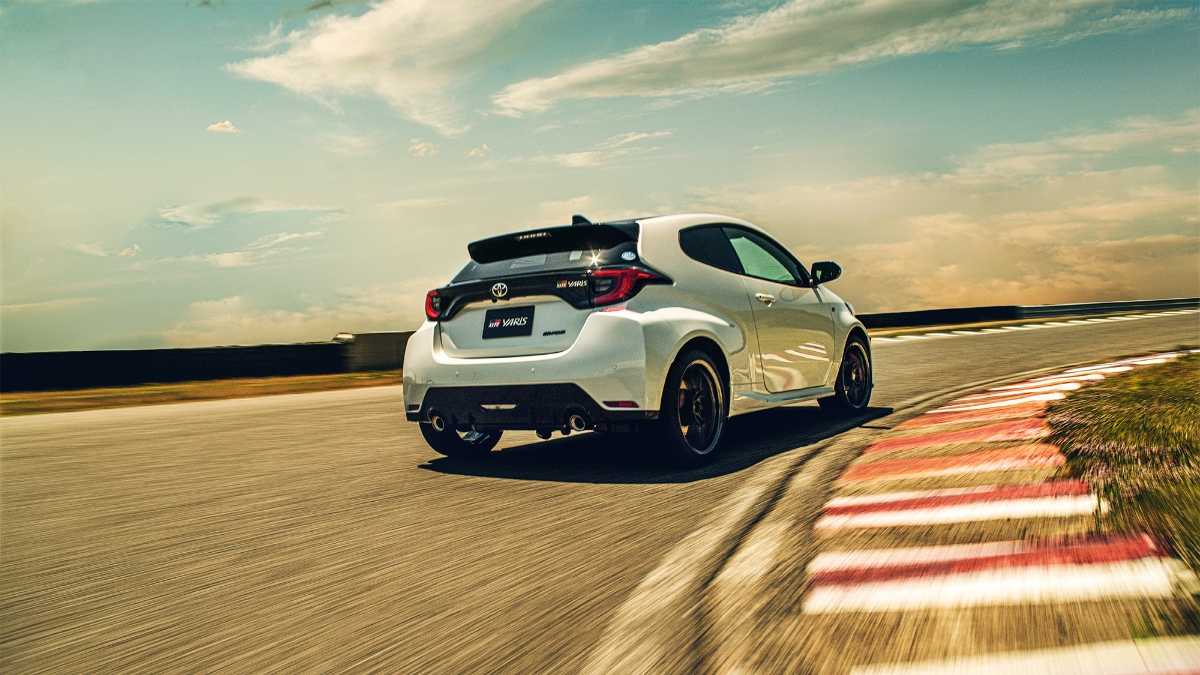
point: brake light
(611, 285)
(433, 305)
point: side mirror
(825, 272)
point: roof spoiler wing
(548, 240)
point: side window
(762, 258)
(709, 245)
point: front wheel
(461, 444)
(852, 391)
(694, 409)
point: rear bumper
(530, 406)
(607, 362)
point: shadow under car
(633, 458)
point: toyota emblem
(499, 290)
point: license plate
(508, 322)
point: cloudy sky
(234, 172)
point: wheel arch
(670, 331)
(709, 345)
(859, 332)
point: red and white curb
(1013, 430)
(1029, 573)
(959, 505)
(998, 573)
(1033, 456)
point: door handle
(765, 298)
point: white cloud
(561, 210)
(479, 151)
(271, 240)
(237, 320)
(411, 53)
(804, 37)
(421, 148)
(416, 203)
(223, 127)
(1000, 228)
(258, 251)
(98, 251)
(45, 305)
(95, 250)
(348, 145)
(1071, 149)
(612, 148)
(236, 258)
(206, 214)
(629, 138)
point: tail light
(611, 285)
(433, 305)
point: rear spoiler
(550, 240)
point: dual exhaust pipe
(575, 422)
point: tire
(855, 381)
(694, 391)
(451, 443)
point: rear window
(709, 245)
(560, 249)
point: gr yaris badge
(499, 290)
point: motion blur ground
(317, 531)
(959, 542)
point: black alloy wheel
(852, 391)
(695, 408)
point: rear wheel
(452, 443)
(852, 391)
(694, 409)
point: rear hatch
(529, 292)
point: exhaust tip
(577, 422)
(437, 422)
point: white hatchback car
(670, 323)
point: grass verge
(32, 402)
(1136, 440)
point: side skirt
(747, 399)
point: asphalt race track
(317, 531)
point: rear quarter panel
(702, 302)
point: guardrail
(933, 317)
(385, 351)
(40, 371)
(1108, 307)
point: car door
(795, 329)
(720, 290)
